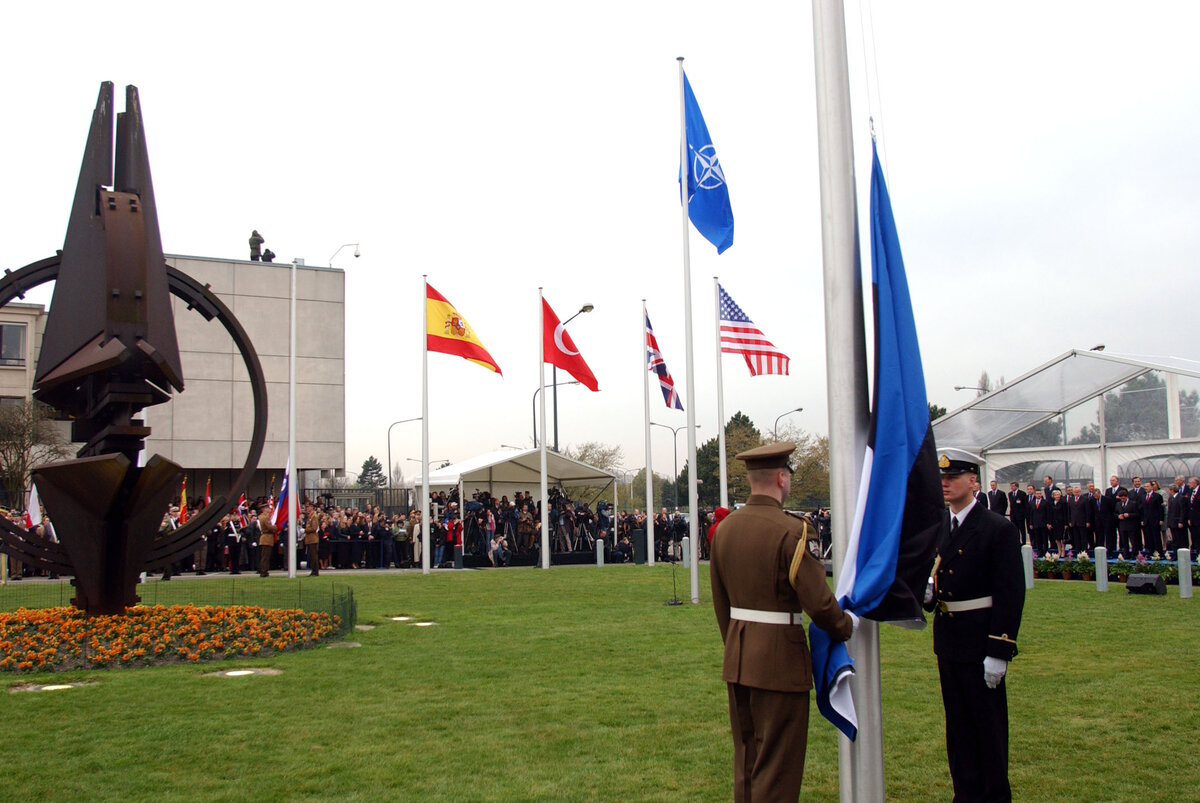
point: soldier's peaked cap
(958, 461)
(773, 455)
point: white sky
(1038, 155)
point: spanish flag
(449, 333)
(183, 503)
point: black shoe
(200, 573)
(234, 571)
(314, 574)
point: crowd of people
(1061, 518)
(499, 529)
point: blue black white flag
(708, 195)
(900, 507)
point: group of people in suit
(1132, 521)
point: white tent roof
(1060, 385)
(506, 468)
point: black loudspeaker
(639, 546)
(1146, 584)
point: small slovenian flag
(280, 515)
(900, 508)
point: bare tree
(29, 437)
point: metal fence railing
(306, 595)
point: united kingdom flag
(656, 363)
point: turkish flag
(560, 350)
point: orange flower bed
(56, 639)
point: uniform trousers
(770, 734)
(976, 732)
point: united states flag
(739, 335)
(656, 363)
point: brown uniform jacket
(311, 535)
(268, 530)
(752, 553)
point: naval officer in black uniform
(978, 590)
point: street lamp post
(554, 375)
(675, 450)
(389, 453)
(775, 429)
(534, 406)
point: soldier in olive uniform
(978, 590)
(763, 576)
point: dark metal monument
(109, 351)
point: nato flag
(708, 196)
(900, 507)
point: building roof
(1045, 392)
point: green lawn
(579, 684)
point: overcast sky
(1040, 158)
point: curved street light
(675, 449)
(389, 451)
(775, 429)
(533, 404)
(554, 375)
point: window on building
(12, 344)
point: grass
(579, 684)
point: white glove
(854, 620)
(929, 591)
(993, 671)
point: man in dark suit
(763, 575)
(1129, 524)
(1039, 521)
(1176, 520)
(1018, 510)
(1137, 494)
(1082, 513)
(997, 500)
(978, 591)
(1193, 511)
(1106, 519)
(1047, 487)
(1152, 518)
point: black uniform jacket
(982, 559)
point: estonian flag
(900, 506)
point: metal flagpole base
(674, 600)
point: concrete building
(21, 327)
(207, 428)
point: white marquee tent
(505, 471)
(1053, 389)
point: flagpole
(291, 469)
(646, 436)
(693, 495)
(542, 434)
(720, 396)
(426, 520)
(860, 763)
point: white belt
(767, 617)
(965, 605)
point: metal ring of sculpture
(168, 547)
